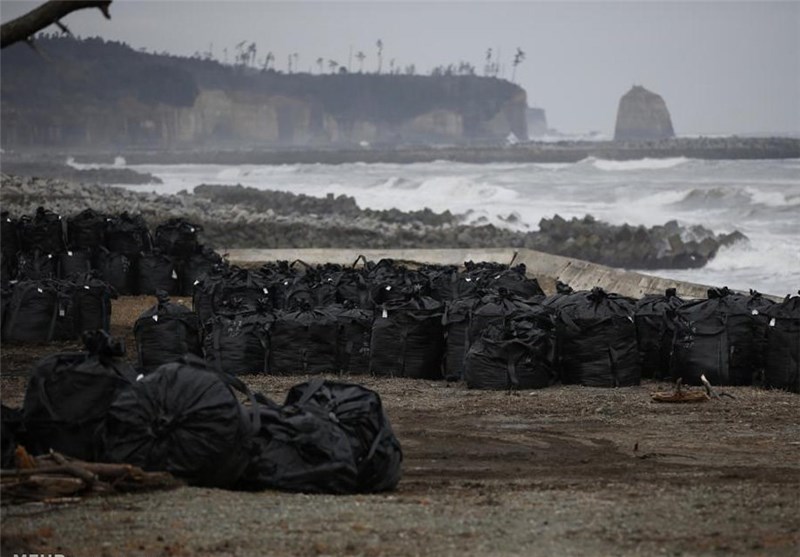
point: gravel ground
(562, 471)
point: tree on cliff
(379, 44)
(24, 27)
(518, 58)
(360, 57)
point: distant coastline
(709, 148)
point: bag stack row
(203, 425)
(120, 249)
(488, 324)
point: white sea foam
(638, 164)
(759, 198)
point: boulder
(642, 115)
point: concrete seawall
(547, 268)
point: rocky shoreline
(239, 217)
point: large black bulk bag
(758, 306)
(653, 318)
(515, 355)
(72, 263)
(355, 335)
(184, 419)
(86, 230)
(456, 336)
(32, 312)
(304, 341)
(205, 290)
(359, 411)
(351, 288)
(118, 270)
(513, 280)
(596, 340)
(165, 333)
(782, 346)
(177, 237)
(716, 337)
(408, 339)
(238, 343)
(245, 285)
(68, 396)
(92, 303)
(500, 308)
(127, 234)
(196, 266)
(156, 271)
(300, 448)
(36, 265)
(43, 232)
(10, 426)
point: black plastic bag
(716, 337)
(165, 333)
(156, 271)
(185, 419)
(408, 339)
(127, 234)
(177, 237)
(304, 341)
(92, 303)
(302, 448)
(513, 355)
(36, 265)
(32, 312)
(782, 346)
(71, 263)
(359, 411)
(654, 319)
(238, 343)
(456, 333)
(86, 230)
(43, 232)
(355, 334)
(68, 396)
(118, 270)
(596, 340)
(195, 267)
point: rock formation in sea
(642, 115)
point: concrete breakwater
(236, 217)
(711, 148)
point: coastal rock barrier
(239, 217)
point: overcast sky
(721, 67)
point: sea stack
(642, 115)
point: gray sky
(722, 67)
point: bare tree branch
(51, 12)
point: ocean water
(759, 198)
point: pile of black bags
(203, 424)
(119, 248)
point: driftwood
(49, 13)
(56, 478)
(679, 395)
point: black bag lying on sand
(359, 411)
(68, 395)
(355, 332)
(238, 343)
(304, 341)
(165, 332)
(32, 314)
(300, 447)
(156, 271)
(185, 419)
(118, 270)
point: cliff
(642, 115)
(97, 94)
